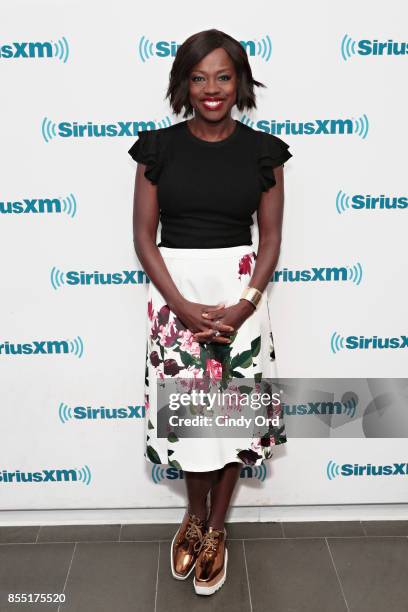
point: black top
(208, 191)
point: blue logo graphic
(81, 413)
(37, 50)
(40, 206)
(164, 48)
(338, 342)
(352, 273)
(367, 202)
(73, 129)
(49, 129)
(353, 125)
(355, 273)
(43, 347)
(75, 278)
(161, 473)
(342, 202)
(82, 475)
(333, 469)
(350, 47)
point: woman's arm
(270, 216)
(145, 224)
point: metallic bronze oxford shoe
(211, 563)
(183, 553)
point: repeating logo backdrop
(79, 82)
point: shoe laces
(194, 531)
(209, 542)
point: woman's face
(213, 85)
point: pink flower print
(245, 264)
(146, 402)
(150, 311)
(154, 358)
(171, 367)
(167, 334)
(188, 343)
(193, 379)
(163, 315)
(214, 369)
(235, 400)
(256, 444)
(154, 329)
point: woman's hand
(191, 315)
(231, 316)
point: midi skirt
(208, 276)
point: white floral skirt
(207, 276)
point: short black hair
(192, 51)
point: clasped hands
(205, 321)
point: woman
(208, 314)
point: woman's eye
(222, 76)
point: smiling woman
(208, 315)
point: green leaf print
(152, 454)
(255, 346)
(242, 360)
(203, 357)
(170, 452)
(175, 464)
(237, 374)
(150, 424)
(187, 359)
(172, 437)
(220, 352)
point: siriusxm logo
(347, 273)
(40, 206)
(82, 475)
(73, 277)
(89, 413)
(357, 126)
(36, 50)
(148, 49)
(365, 46)
(347, 408)
(359, 201)
(43, 347)
(338, 342)
(333, 469)
(73, 129)
(171, 473)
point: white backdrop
(66, 212)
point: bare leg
(198, 485)
(221, 493)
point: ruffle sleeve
(147, 150)
(272, 152)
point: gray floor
(279, 567)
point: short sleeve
(147, 150)
(272, 152)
